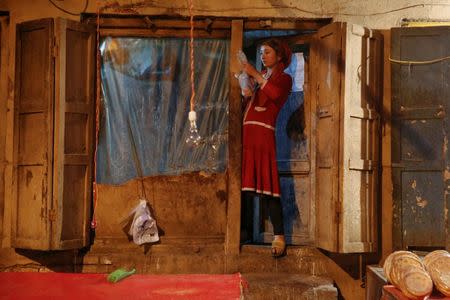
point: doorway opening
(292, 149)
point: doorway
(293, 132)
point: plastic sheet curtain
(145, 105)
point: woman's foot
(278, 246)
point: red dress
(259, 164)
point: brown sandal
(278, 246)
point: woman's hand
(251, 71)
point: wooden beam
(150, 22)
(232, 237)
(3, 117)
(205, 23)
(386, 154)
(279, 24)
(140, 32)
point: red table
(390, 292)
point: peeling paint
(421, 202)
(444, 154)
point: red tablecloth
(23, 285)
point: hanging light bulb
(193, 139)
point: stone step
(299, 260)
(286, 286)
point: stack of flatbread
(406, 271)
(437, 263)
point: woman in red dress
(259, 165)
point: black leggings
(275, 212)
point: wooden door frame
(214, 27)
(4, 22)
(306, 168)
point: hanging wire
(191, 48)
(97, 121)
(149, 3)
(412, 62)
(69, 12)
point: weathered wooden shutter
(420, 133)
(346, 77)
(73, 135)
(53, 134)
(33, 135)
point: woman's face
(269, 56)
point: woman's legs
(276, 215)
(247, 216)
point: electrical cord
(147, 3)
(68, 12)
(328, 13)
(412, 62)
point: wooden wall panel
(33, 135)
(183, 211)
(386, 159)
(77, 50)
(3, 113)
(420, 106)
(360, 140)
(233, 211)
(73, 218)
(73, 143)
(347, 80)
(325, 69)
(32, 200)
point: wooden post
(386, 159)
(232, 235)
(3, 113)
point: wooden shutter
(33, 135)
(347, 94)
(73, 138)
(53, 134)
(325, 66)
(420, 133)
